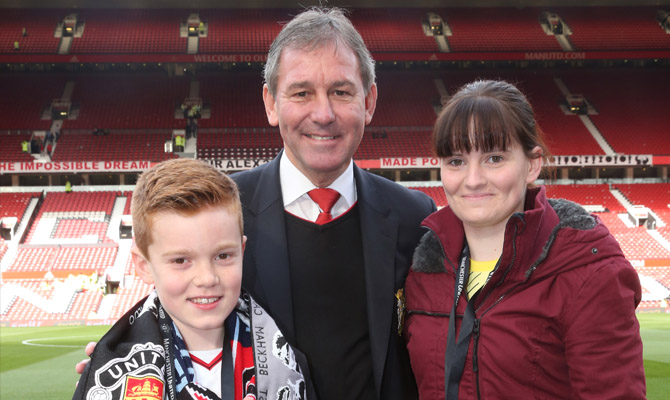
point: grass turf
(38, 363)
(655, 332)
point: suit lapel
(270, 244)
(379, 232)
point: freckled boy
(191, 337)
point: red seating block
(15, 204)
(130, 31)
(614, 28)
(40, 26)
(117, 146)
(629, 105)
(495, 29)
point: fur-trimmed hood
(581, 237)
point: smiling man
(328, 273)
(327, 264)
(321, 107)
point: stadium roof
(300, 3)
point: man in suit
(330, 285)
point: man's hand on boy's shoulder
(82, 364)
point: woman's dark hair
(487, 115)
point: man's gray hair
(313, 28)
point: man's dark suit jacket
(390, 218)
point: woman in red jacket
(513, 295)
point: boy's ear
(244, 243)
(141, 265)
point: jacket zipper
(475, 339)
(475, 342)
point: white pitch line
(29, 342)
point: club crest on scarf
(147, 388)
(142, 368)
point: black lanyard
(165, 324)
(227, 372)
(457, 350)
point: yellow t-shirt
(479, 274)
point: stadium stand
(130, 266)
(78, 202)
(587, 195)
(566, 134)
(481, 29)
(661, 274)
(241, 30)
(18, 308)
(262, 144)
(3, 248)
(123, 145)
(497, 29)
(435, 192)
(130, 31)
(393, 29)
(655, 196)
(627, 101)
(128, 295)
(26, 98)
(84, 304)
(127, 101)
(69, 234)
(635, 242)
(129, 197)
(36, 261)
(614, 28)
(11, 149)
(405, 99)
(84, 260)
(74, 298)
(39, 25)
(235, 100)
(394, 143)
(60, 261)
(59, 206)
(14, 204)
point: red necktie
(325, 198)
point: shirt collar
(294, 184)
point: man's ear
(141, 265)
(270, 106)
(370, 103)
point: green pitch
(655, 331)
(38, 363)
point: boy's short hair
(183, 186)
